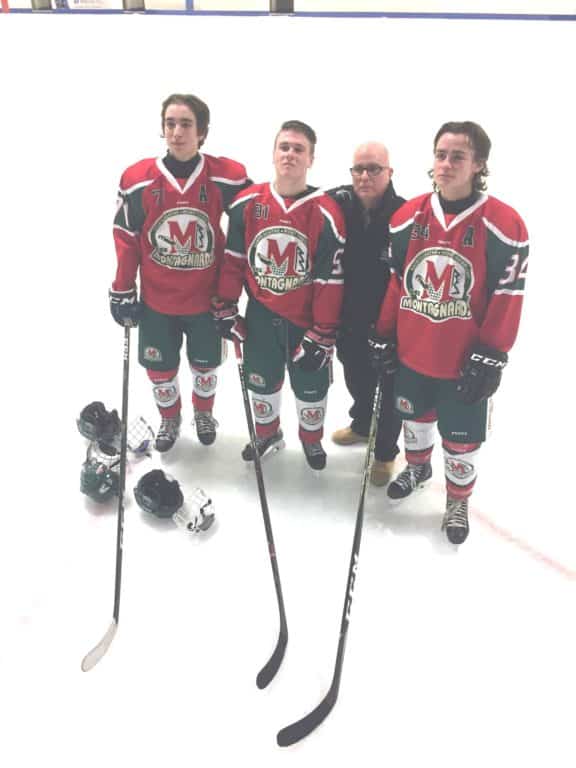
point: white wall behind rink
(497, 7)
(81, 98)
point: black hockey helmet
(99, 478)
(97, 423)
(158, 494)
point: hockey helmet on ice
(158, 494)
(96, 423)
(99, 479)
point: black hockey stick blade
(303, 727)
(269, 670)
(93, 657)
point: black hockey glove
(383, 353)
(315, 350)
(125, 307)
(229, 323)
(481, 374)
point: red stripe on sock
(419, 457)
(202, 403)
(459, 491)
(267, 430)
(310, 437)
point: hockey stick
(93, 657)
(271, 667)
(301, 728)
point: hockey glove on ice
(383, 353)
(315, 350)
(125, 307)
(229, 323)
(481, 374)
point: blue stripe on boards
(322, 14)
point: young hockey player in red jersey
(284, 245)
(167, 230)
(450, 315)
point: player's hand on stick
(383, 354)
(125, 307)
(315, 350)
(231, 325)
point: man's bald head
(371, 172)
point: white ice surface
(453, 659)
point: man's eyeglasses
(372, 169)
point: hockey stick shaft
(94, 656)
(271, 667)
(303, 727)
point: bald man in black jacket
(368, 205)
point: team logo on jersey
(205, 383)
(153, 354)
(183, 238)
(438, 283)
(311, 417)
(405, 406)
(458, 468)
(256, 380)
(280, 260)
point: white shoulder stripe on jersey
(235, 182)
(400, 227)
(235, 254)
(332, 223)
(508, 292)
(501, 236)
(123, 229)
(135, 187)
(243, 199)
(329, 281)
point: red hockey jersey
(169, 230)
(455, 281)
(287, 253)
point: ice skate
(315, 454)
(455, 522)
(168, 433)
(265, 445)
(205, 427)
(412, 476)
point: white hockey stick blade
(93, 657)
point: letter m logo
(192, 238)
(439, 287)
(278, 261)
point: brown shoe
(382, 472)
(347, 436)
